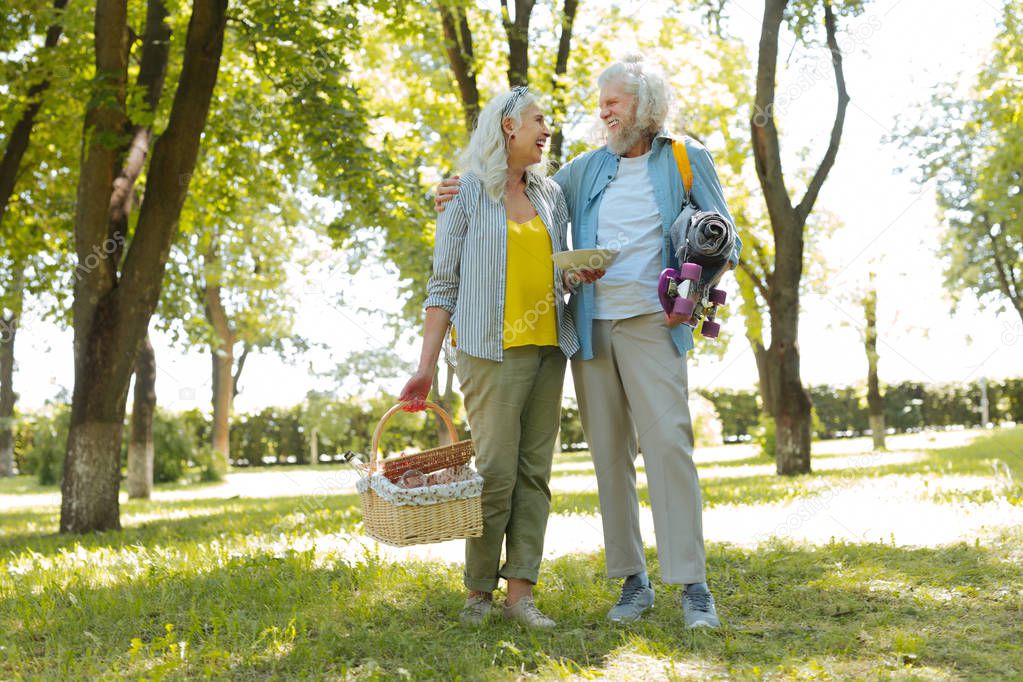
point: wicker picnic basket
(433, 513)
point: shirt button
(609, 177)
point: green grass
(221, 596)
(264, 589)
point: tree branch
(557, 84)
(766, 149)
(757, 281)
(814, 188)
(762, 259)
(18, 138)
(240, 366)
(105, 119)
(173, 161)
(458, 45)
(152, 71)
(1005, 276)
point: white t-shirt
(629, 221)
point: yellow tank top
(530, 313)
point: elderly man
(630, 373)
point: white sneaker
(524, 611)
(475, 610)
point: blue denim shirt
(583, 180)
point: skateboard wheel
(711, 329)
(717, 296)
(683, 307)
(663, 285)
(691, 271)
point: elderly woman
(493, 277)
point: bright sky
(898, 52)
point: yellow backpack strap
(678, 147)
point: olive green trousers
(514, 412)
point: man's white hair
(647, 84)
(487, 153)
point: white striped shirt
(470, 264)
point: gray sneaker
(698, 607)
(475, 610)
(525, 612)
(634, 600)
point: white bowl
(585, 259)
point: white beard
(624, 141)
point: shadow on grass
(841, 609)
(195, 521)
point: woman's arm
(418, 387)
(452, 227)
(441, 299)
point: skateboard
(702, 242)
(687, 294)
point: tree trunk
(140, 447)
(791, 402)
(875, 402)
(458, 45)
(558, 86)
(111, 314)
(518, 40)
(18, 138)
(8, 331)
(223, 370)
(787, 400)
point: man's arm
(567, 177)
(707, 191)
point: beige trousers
(514, 411)
(634, 392)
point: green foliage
(271, 436)
(174, 447)
(573, 438)
(36, 226)
(971, 144)
(806, 17)
(764, 437)
(840, 411)
(213, 466)
(738, 411)
(46, 448)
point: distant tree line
(323, 428)
(841, 411)
(319, 430)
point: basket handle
(387, 415)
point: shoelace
(699, 600)
(629, 593)
(478, 604)
(532, 612)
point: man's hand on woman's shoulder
(445, 192)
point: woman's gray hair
(487, 153)
(647, 84)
